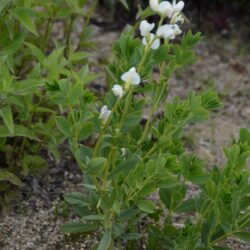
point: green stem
(101, 135)
(107, 167)
(87, 20)
(89, 14)
(212, 243)
(127, 102)
(149, 152)
(68, 34)
(147, 49)
(47, 33)
(151, 113)
(204, 214)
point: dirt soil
(34, 224)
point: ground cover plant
(33, 57)
(127, 160)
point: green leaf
(146, 206)
(89, 187)
(96, 165)
(93, 217)
(37, 52)
(76, 198)
(160, 55)
(14, 45)
(124, 167)
(23, 15)
(245, 136)
(243, 236)
(221, 248)
(131, 236)
(186, 206)
(189, 40)
(125, 4)
(4, 5)
(19, 130)
(105, 241)
(210, 101)
(78, 227)
(131, 121)
(6, 114)
(28, 86)
(64, 126)
(128, 214)
(86, 130)
(24, 132)
(86, 77)
(8, 176)
(166, 197)
(33, 164)
(79, 56)
(147, 190)
(74, 93)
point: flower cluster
(148, 37)
(165, 8)
(130, 77)
(150, 40)
(166, 31)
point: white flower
(165, 8)
(146, 27)
(104, 114)
(124, 152)
(117, 90)
(131, 77)
(147, 40)
(166, 31)
(169, 31)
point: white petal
(156, 44)
(165, 8)
(176, 29)
(178, 7)
(146, 27)
(154, 4)
(104, 114)
(125, 76)
(136, 79)
(104, 108)
(166, 31)
(131, 77)
(117, 90)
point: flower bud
(154, 4)
(117, 90)
(104, 114)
